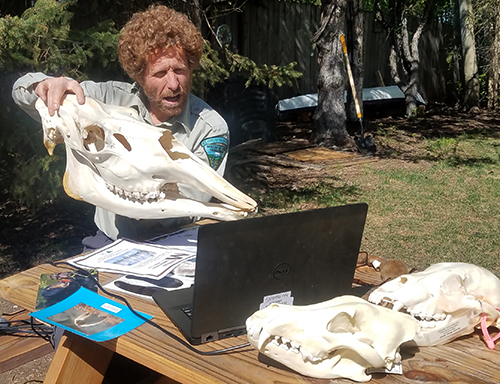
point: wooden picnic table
(79, 360)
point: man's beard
(166, 109)
(159, 104)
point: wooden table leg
(78, 360)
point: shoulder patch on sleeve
(215, 148)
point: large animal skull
(338, 338)
(116, 162)
(447, 299)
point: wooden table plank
(462, 361)
(18, 350)
(21, 348)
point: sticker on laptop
(278, 298)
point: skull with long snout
(447, 299)
(338, 338)
(131, 168)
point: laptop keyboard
(188, 311)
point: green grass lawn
(444, 205)
(431, 215)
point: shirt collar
(184, 117)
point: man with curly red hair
(159, 49)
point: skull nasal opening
(123, 141)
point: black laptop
(243, 266)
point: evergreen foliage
(41, 40)
(269, 75)
(218, 65)
(45, 39)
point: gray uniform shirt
(197, 127)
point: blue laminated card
(91, 315)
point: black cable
(150, 322)
(15, 330)
(45, 336)
(22, 322)
(24, 326)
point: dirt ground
(56, 231)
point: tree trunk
(404, 59)
(194, 10)
(330, 115)
(493, 67)
(354, 36)
(471, 81)
(413, 58)
(404, 63)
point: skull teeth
(398, 305)
(431, 321)
(426, 320)
(286, 344)
(136, 196)
(264, 336)
(290, 346)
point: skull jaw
(347, 361)
(454, 326)
(168, 208)
(446, 298)
(202, 178)
(459, 323)
(344, 364)
(175, 205)
(341, 337)
(130, 172)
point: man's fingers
(53, 92)
(54, 100)
(41, 90)
(78, 91)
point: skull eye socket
(95, 138)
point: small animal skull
(338, 338)
(116, 162)
(447, 299)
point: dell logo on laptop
(281, 271)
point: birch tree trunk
(407, 45)
(330, 115)
(354, 36)
(494, 64)
(471, 81)
(404, 58)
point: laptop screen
(309, 256)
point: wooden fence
(278, 32)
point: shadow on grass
(437, 136)
(457, 161)
(321, 194)
(389, 152)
